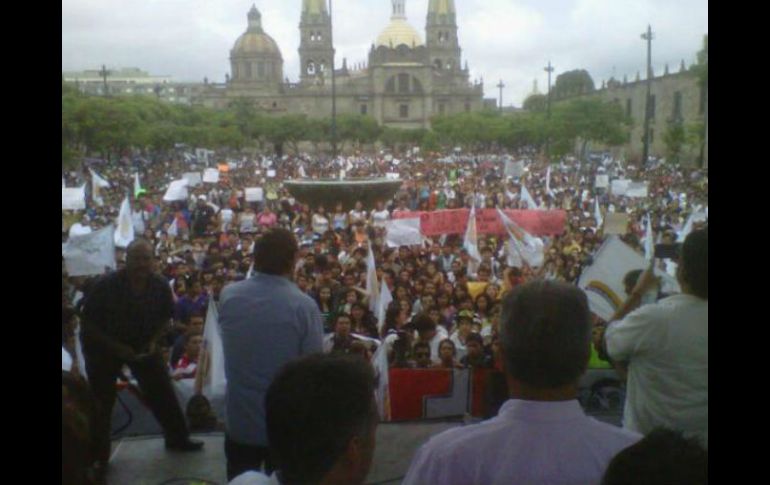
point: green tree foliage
(572, 83)
(674, 138)
(535, 103)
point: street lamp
(648, 36)
(500, 86)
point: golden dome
(251, 43)
(399, 32)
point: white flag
(73, 198)
(177, 190)
(97, 183)
(124, 234)
(529, 249)
(214, 381)
(137, 185)
(382, 393)
(649, 244)
(603, 280)
(471, 244)
(526, 197)
(382, 305)
(372, 286)
(687, 229)
(173, 229)
(598, 214)
(90, 254)
(548, 181)
(302, 171)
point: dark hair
(545, 333)
(631, 278)
(663, 456)
(695, 262)
(474, 337)
(314, 407)
(274, 252)
(421, 345)
(423, 323)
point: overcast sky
(510, 40)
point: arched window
(247, 65)
(322, 65)
(310, 67)
(449, 65)
(318, 36)
(438, 63)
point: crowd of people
(442, 315)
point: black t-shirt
(131, 319)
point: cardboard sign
(73, 198)
(615, 223)
(271, 173)
(211, 176)
(193, 178)
(514, 169)
(254, 194)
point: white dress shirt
(666, 345)
(529, 442)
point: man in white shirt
(541, 435)
(321, 422)
(664, 347)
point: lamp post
(334, 86)
(104, 73)
(549, 69)
(500, 86)
(648, 36)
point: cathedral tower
(315, 47)
(441, 35)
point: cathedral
(404, 83)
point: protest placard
(73, 198)
(177, 190)
(602, 181)
(636, 189)
(403, 232)
(193, 178)
(619, 186)
(90, 254)
(271, 173)
(211, 175)
(254, 194)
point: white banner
(211, 175)
(403, 232)
(636, 189)
(90, 254)
(514, 169)
(602, 181)
(193, 178)
(603, 280)
(177, 190)
(619, 186)
(392, 176)
(254, 194)
(73, 198)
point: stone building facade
(675, 98)
(404, 83)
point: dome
(252, 43)
(255, 41)
(399, 32)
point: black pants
(242, 458)
(155, 385)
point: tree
(588, 119)
(674, 138)
(572, 83)
(536, 103)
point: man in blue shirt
(266, 321)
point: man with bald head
(125, 314)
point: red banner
(433, 393)
(455, 221)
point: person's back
(265, 321)
(541, 435)
(666, 347)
